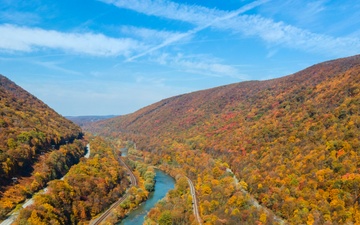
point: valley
(290, 141)
(281, 151)
(179, 112)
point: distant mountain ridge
(294, 140)
(84, 120)
(220, 99)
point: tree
(165, 218)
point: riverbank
(163, 183)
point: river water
(163, 184)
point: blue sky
(102, 57)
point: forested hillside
(88, 188)
(292, 141)
(30, 135)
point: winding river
(163, 184)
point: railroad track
(108, 211)
(194, 201)
(118, 202)
(130, 173)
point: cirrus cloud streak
(27, 39)
(270, 31)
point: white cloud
(213, 69)
(148, 34)
(286, 35)
(167, 9)
(166, 42)
(271, 32)
(181, 36)
(199, 64)
(26, 39)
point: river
(163, 184)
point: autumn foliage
(87, 190)
(32, 140)
(294, 141)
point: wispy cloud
(148, 35)
(216, 20)
(28, 39)
(199, 64)
(171, 10)
(279, 33)
(209, 69)
(270, 31)
(306, 13)
(24, 18)
(56, 66)
(165, 43)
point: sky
(113, 57)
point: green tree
(165, 218)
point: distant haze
(118, 56)
(83, 120)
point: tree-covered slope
(30, 129)
(187, 110)
(27, 126)
(293, 140)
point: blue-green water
(124, 152)
(163, 184)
